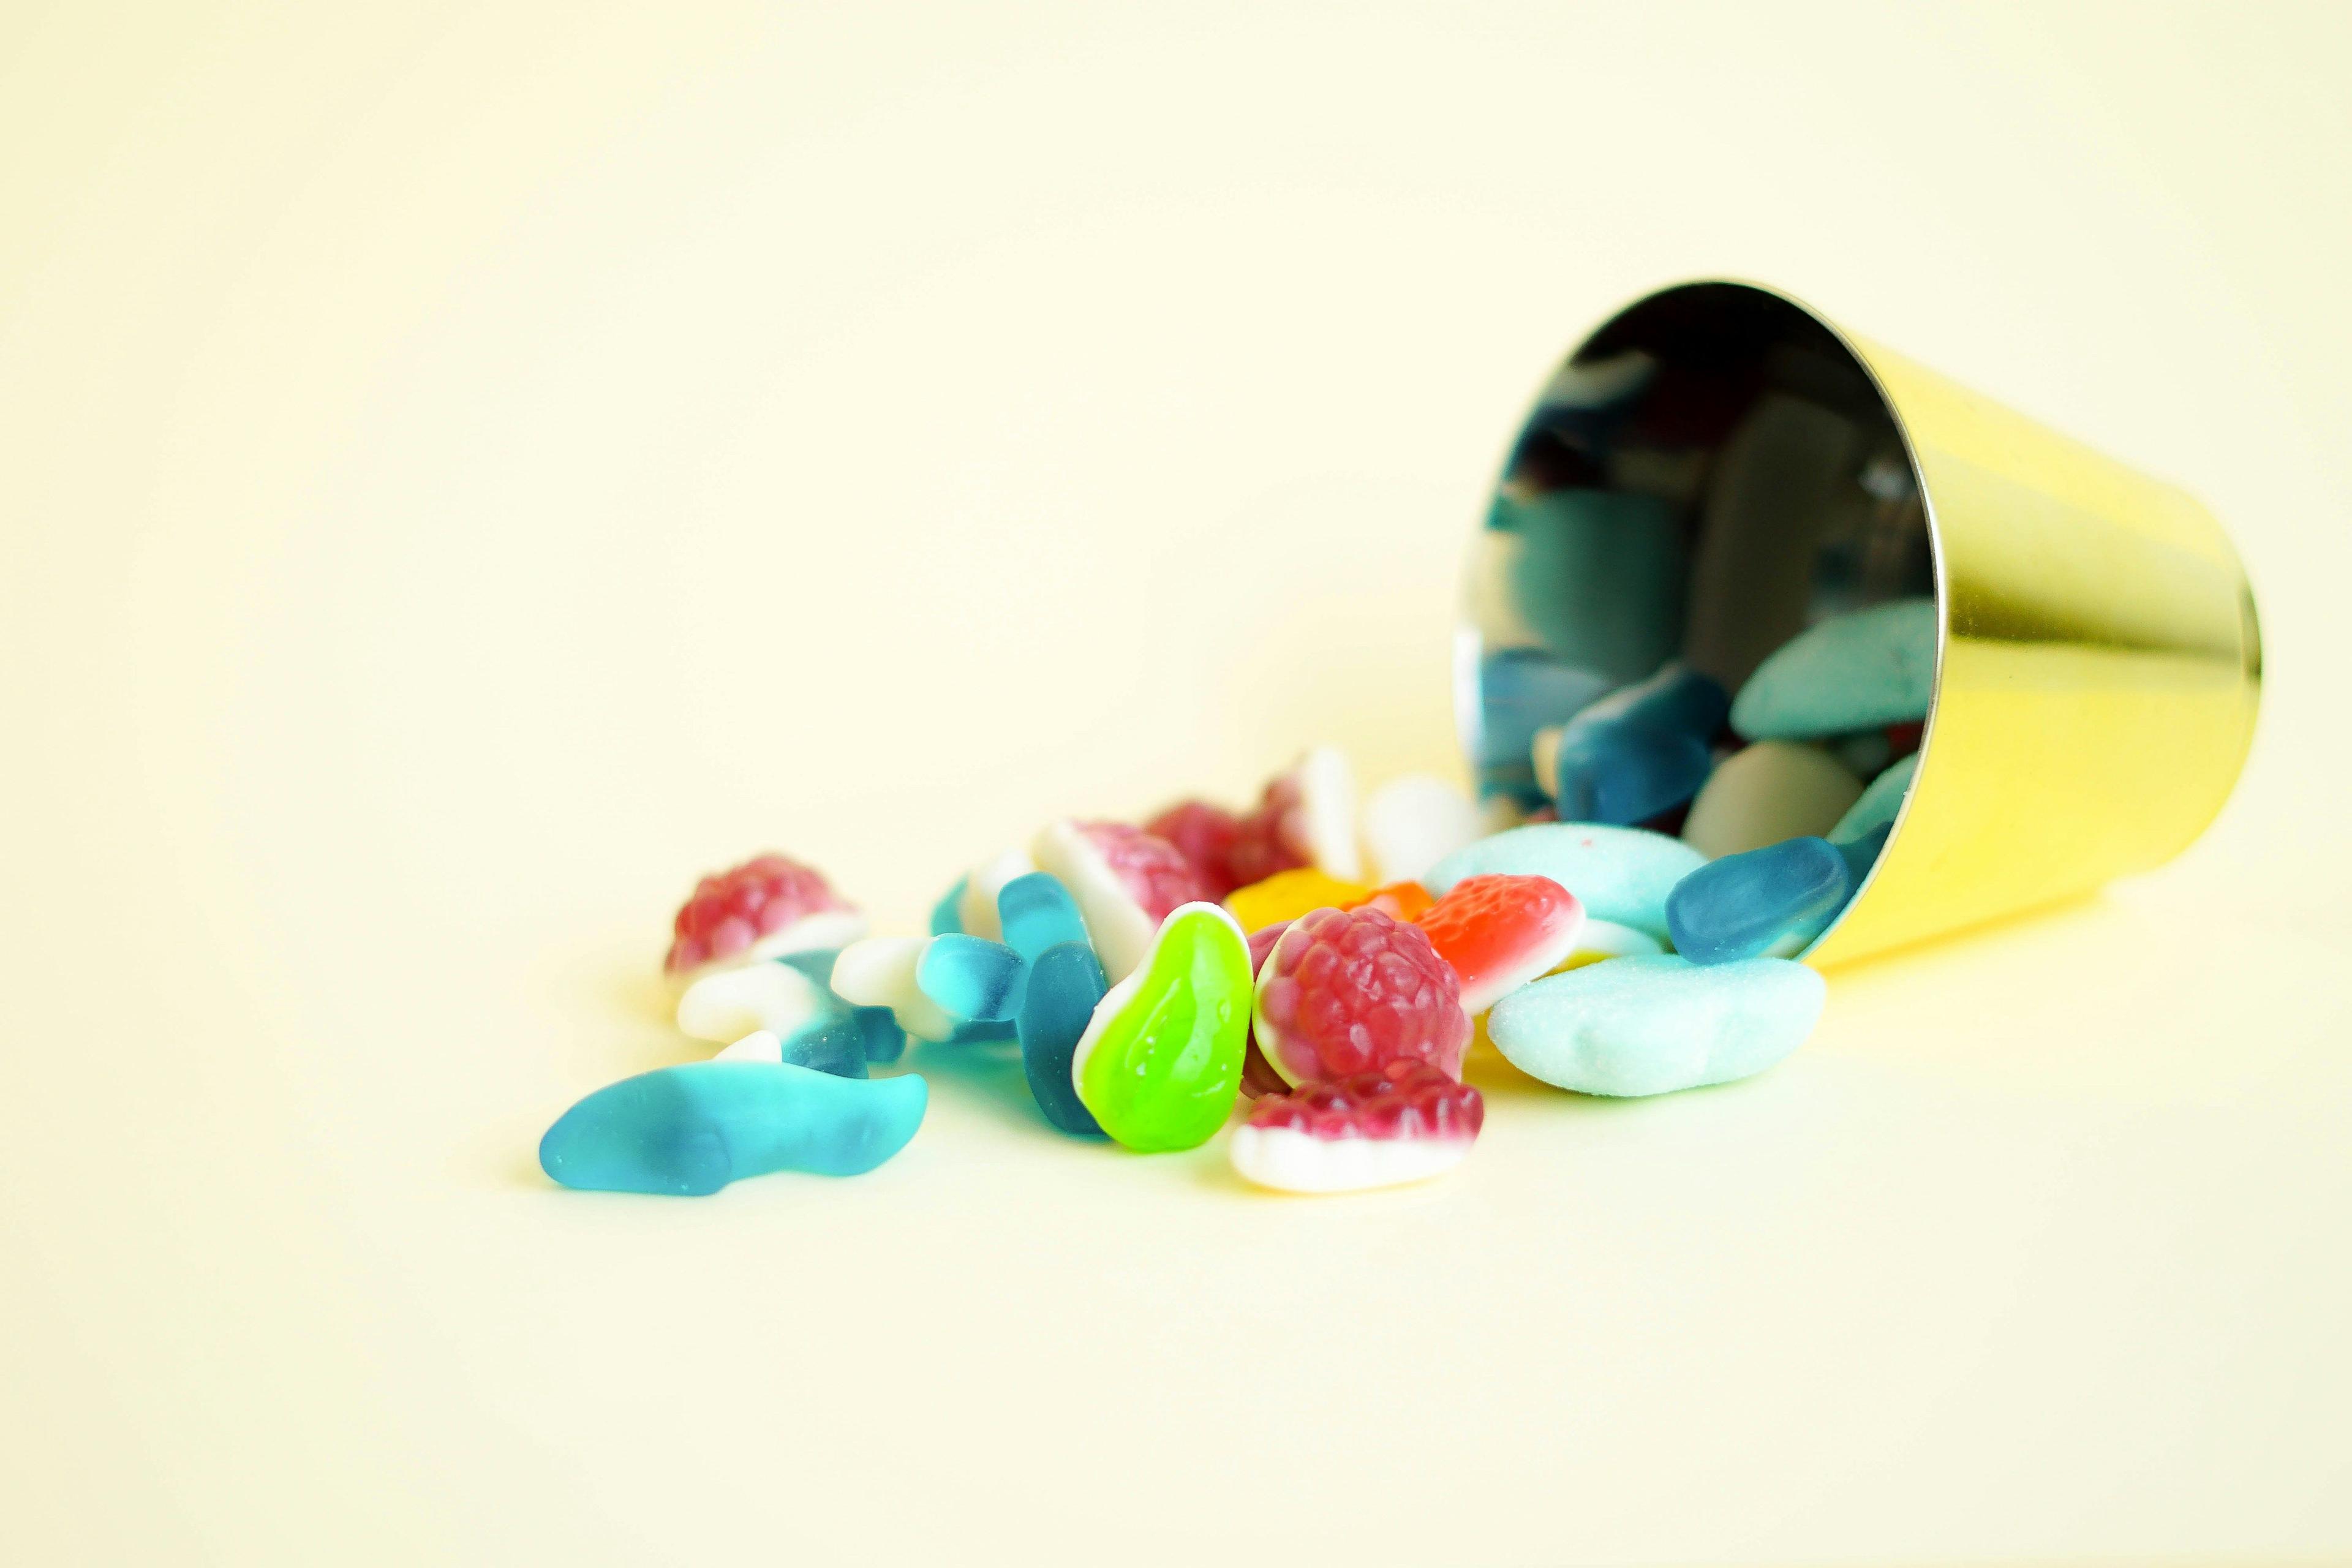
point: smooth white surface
(470, 469)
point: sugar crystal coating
(1345, 991)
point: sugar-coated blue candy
(689, 1130)
(832, 1043)
(972, 978)
(946, 920)
(1657, 1023)
(1774, 900)
(1037, 912)
(1849, 672)
(1064, 984)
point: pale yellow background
(464, 470)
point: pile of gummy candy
(1329, 968)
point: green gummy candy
(1160, 1062)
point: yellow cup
(1720, 466)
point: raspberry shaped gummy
(1400, 1123)
(1346, 991)
(767, 906)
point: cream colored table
(465, 471)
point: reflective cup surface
(1718, 467)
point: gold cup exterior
(2098, 671)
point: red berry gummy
(1204, 834)
(1345, 991)
(756, 906)
(1500, 932)
(1125, 882)
(1398, 1123)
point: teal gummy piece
(1620, 874)
(1037, 912)
(689, 1130)
(1653, 1025)
(1775, 899)
(971, 978)
(1066, 983)
(947, 918)
(1854, 671)
(1879, 804)
(1620, 774)
(832, 1042)
(878, 1026)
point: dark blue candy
(1064, 984)
(1741, 905)
(971, 978)
(1037, 912)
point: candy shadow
(989, 1074)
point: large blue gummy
(1037, 912)
(971, 978)
(1622, 774)
(1064, 984)
(1783, 895)
(689, 1130)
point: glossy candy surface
(1636, 752)
(1498, 932)
(1655, 1025)
(768, 905)
(1066, 984)
(1618, 874)
(1287, 895)
(1125, 882)
(689, 1130)
(1370, 1129)
(1767, 792)
(1160, 1061)
(972, 980)
(1345, 991)
(1770, 901)
(1035, 912)
(1856, 671)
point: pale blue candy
(946, 920)
(1855, 671)
(1064, 984)
(691, 1129)
(1618, 874)
(1775, 899)
(1037, 912)
(884, 1040)
(972, 979)
(1655, 1025)
(1879, 804)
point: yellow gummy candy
(1287, 895)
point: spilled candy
(1160, 1061)
(1125, 882)
(1287, 895)
(727, 1004)
(1600, 940)
(1368, 1130)
(1498, 932)
(1306, 816)
(881, 972)
(1035, 912)
(1773, 901)
(1652, 1025)
(689, 1130)
(767, 906)
(1855, 671)
(1398, 901)
(1066, 983)
(885, 1040)
(1204, 834)
(1618, 874)
(976, 903)
(971, 979)
(1345, 991)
